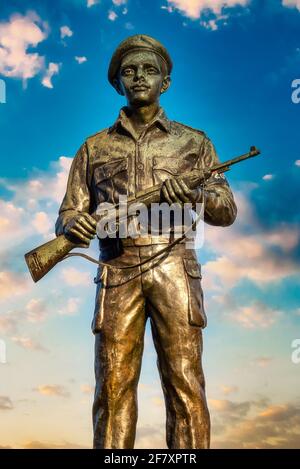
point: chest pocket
(164, 168)
(110, 180)
(110, 169)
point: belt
(146, 240)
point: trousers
(169, 294)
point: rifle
(43, 258)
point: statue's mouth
(140, 88)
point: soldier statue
(143, 148)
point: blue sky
(234, 63)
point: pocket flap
(109, 170)
(170, 165)
(192, 267)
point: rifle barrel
(253, 152)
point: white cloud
(268, 177)
(27, 343)
(42, 223)
(53, 69)
(51, 390)
(11, 219)
(297, 162)
(87, 389)
(80, 59)
(276, 412)
(36, 310)
(9, 322)
(65, 31)
(194, 8)
(119, 2)
(213, 23)
(224, 405)
(167, 8)
(91, 3)
(252, 316)
(112, 15)
(44, 186)
(256, 424)
(71, 307)
(229, 389)
(255, 316)
(16, 36)
(261, 270)
(262, 362)
(291, 3)
(246, 251)
(31, 211)
(287, 238)
(12, 283)
(210, 24)
(75, 277)
(59, 182)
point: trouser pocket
(196, 313)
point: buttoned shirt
(117, 161)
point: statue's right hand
(82, 227)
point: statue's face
(142, 78)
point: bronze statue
(141, 150)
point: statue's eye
(151, 70)
(127, 72)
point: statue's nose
(140, 74)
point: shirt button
(140, 166)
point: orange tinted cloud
(52, 390)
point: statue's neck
(141, 116)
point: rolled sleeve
(220, 208)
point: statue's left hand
(175, 190)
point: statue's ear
(116, 85)
(165, 84)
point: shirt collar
(159, 119)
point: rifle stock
(43, 258)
